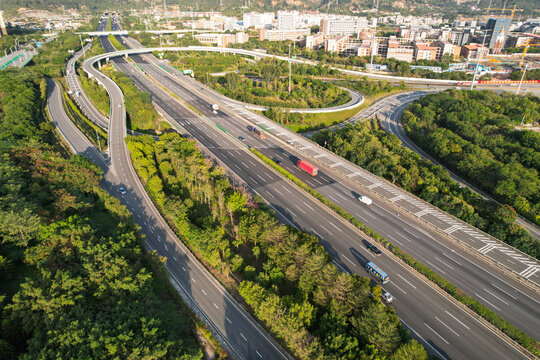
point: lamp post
(289, 69)
(373, 46)
(521, 81)
(82, 46)
(478, 59)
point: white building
(343, 25)
(258, 20)
(287, 20)
(280, 35)
(315, 41)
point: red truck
(307, 167)
(258, 133)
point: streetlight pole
(373, 45)
(521, 81)
(82, 46)
(97, 138)
(478, 59)
(289, 69)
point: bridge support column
(99, 64)
(126, 56)
(106, 59)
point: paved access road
(500, 292)
(444, 327)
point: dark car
(276, 160)
(373, 249)
(241, 138)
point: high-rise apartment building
(498, 29)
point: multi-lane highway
(239, 333)
(391, 121)
(490, 286)
(446, 329)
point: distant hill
(236, 7)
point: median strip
(505, 327)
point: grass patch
(116, 43)
(96, 93)
(87, 127)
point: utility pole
(521, 81)
(478, 59)
(289, 69)
(373, 44)
(97, 138)
(84, 52)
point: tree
(375, 326)
(411, 350)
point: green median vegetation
(141, 115)
(96, 93)
(117, 45)
(507, 328)
(265, 83)
(74, 278)
(93, 132)
(474, 134)
(303, 122)
(283, 275)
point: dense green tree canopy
(74, 281)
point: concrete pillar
(99, 64)
(126, 56)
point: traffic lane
(209, 310)
(473, 286)
(258, 345)
(482, 282)
(80, 144)
(296, 200)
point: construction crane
(504, 9)
(527, 46)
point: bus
(377, 272)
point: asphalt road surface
(500, 292)
(241, 335)
(444, 327)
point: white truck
(215, 108)
(365, 199)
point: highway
(76, 140)
(79, 95)
(445, 328)
(391, 122)
(503, 294)
(234, 327)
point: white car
(387, 297)
(365, 199)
